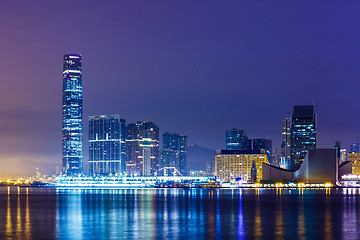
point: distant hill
(198, 157)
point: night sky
(193, 67)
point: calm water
(29, 213)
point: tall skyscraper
(236, 139)
(105, 144)
(142, 149)
(285, 152)
(354, 148)
(343, 156)
(174, 152)
(303, 133)
(123, 144)
(72, 112)
(265, 144)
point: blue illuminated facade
(236, 139)
(354, 148)
(174, 152)
(105, 145)
(265, 144)
(123, 144)
(72, 114)
(303, 133)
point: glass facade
(303, 133)
(142, 149)
(123, 144)
(354, 148)
(285, 152)
(236, 139)
(265, 144)
(105, 144)
(174, 152)
(72, 113)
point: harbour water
(41, 213)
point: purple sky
(195, 67)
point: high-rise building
(236, 139)
(142, 149)
(343, 156)
(105, 144)
(354, 148)
(72, 113)
(285, 140)
(174, 152)
(275, 158)
(123, 144)
(237, 164)
(265, 144)
(303, 133)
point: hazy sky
(194, 67)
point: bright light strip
(71, 71)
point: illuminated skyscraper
(105, 144)
(236, 139)
(142, 149)
(303, 133)
(123, 144)
(72, 112)
(354, 148)
(265, 144)
(174, 152)
(285, 152)
(343, 156)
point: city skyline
(198, 82)
(179, 119)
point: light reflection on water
(30, 213)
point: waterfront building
(265, 144)
(72, 113)
(303, 133)
(142, 149)
(130, 181)
(285, 150)
(237, 164)
(354, 158)
(174, 152)
(105, 144)
(236, 139)
(319, 166)
(123, 144)
(354, 147)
